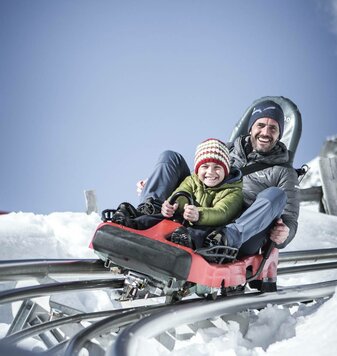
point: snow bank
(58, 235)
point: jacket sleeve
(224, 210)
(288, 181)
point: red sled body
(174, 269)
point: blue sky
(92, 91)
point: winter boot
(181, 236)
(125, 215)
(151, 206)
(216, 249)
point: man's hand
(191, 213)
(279, 232)
(168, 210)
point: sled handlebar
(173, 199)
(188, 196)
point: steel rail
(27, 269)
(77, 342)
(95, 315)
(153, 325)
(306, 268)
(170, 316)
(308, 255)
(14, 295)
(36, 267)
(49, 325)
(78, 317)
(76, 345)
(81, 338)
(39, 268)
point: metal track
(151, 321)
(308, 255)
(40, 268)
(155, 324)
(13, 295)
(142, 321)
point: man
(271, 198)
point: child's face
(211, 174)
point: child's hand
(168, 210)
(191, 213)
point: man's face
(264, 134)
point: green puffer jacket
(217, 205)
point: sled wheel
(175, 297)
(212, 296)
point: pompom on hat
(212, 150)
(269, 109)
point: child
(215, 189)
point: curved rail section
(155, 324)
(151, 321)
(13, 295)
(148, 321)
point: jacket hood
(234, 176)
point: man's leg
(250, 230)
(170, 170)
(253, 245)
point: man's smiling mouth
(264, 139)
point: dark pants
(197, 233)
(249, 232)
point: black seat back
(292, 123)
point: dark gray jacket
(284, 177)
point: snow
(58, 235)
(308, 329)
